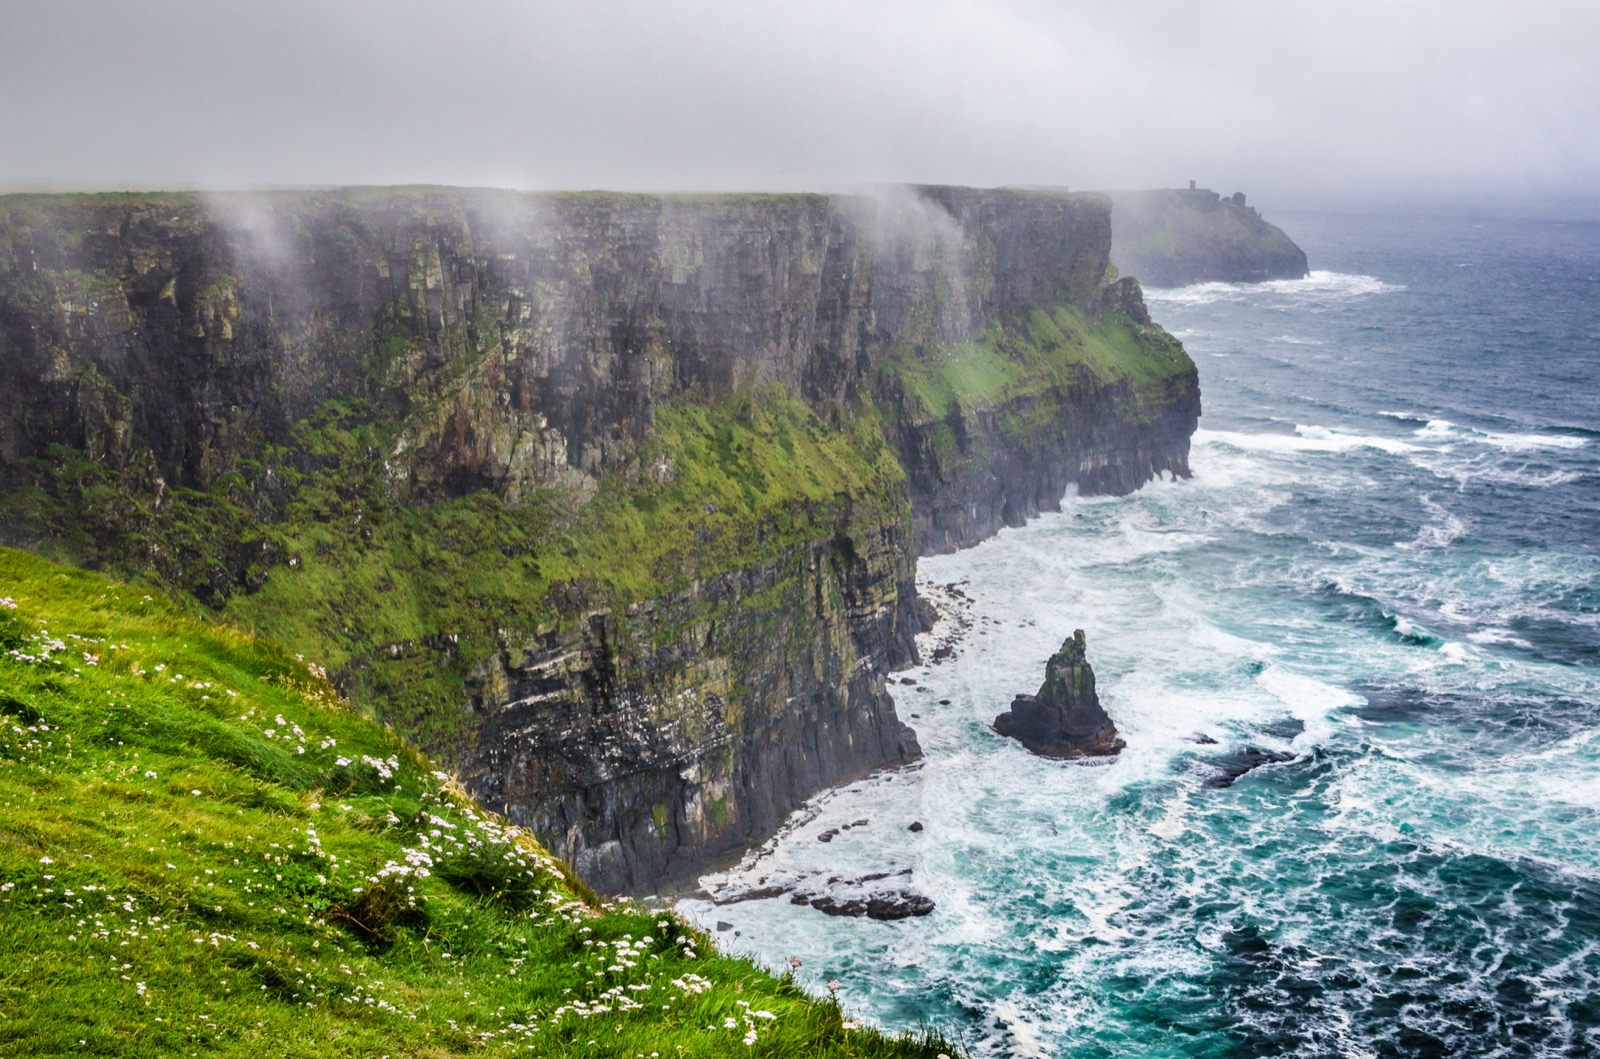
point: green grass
(205, 851)
(399, 599)
(744, 482)
(1052, 349)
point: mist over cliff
(1175, 237)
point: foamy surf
(1516, 442)
(1320, 287)
(1304, 439)
(1353, 658)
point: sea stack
(1064, 720)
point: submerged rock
(885, 904)
(1234, 765)
(1064, 720)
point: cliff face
(1174, 237)
(612, 501)
(646, 741)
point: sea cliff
(1174, 237)
(610, 501)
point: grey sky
(1358, 97)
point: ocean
(1385, 568)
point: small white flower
(195, 793)
(46, 860)
(149, 774)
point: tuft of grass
(204, 850)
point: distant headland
(1172, 237)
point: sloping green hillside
(204, 851)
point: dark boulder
(1064, 720)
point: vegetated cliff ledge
(1173, 237)
(611, 501)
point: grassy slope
(1048, 351)
(204, 851)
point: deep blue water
(1387, 564)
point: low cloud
(1361, 97)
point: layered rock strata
(612, 501)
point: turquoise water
(1387, 564)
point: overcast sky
(1359, 97)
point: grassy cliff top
(1048, 350)
(204, 850)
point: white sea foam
(1514, 442)
(1442, 529)
(1309, 700)
(1024, 1035)
(1304, 439)
(1320, 287)
(1499, 636)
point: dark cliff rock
(642, 744)
(1174, 237)
(612, 501)
(1065, 719)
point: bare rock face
(1064, 720)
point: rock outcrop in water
(610, 501)
(1174, 237)
(1065, 719)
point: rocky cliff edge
(611, 501)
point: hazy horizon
(1293, 104)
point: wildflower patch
(203, 849)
